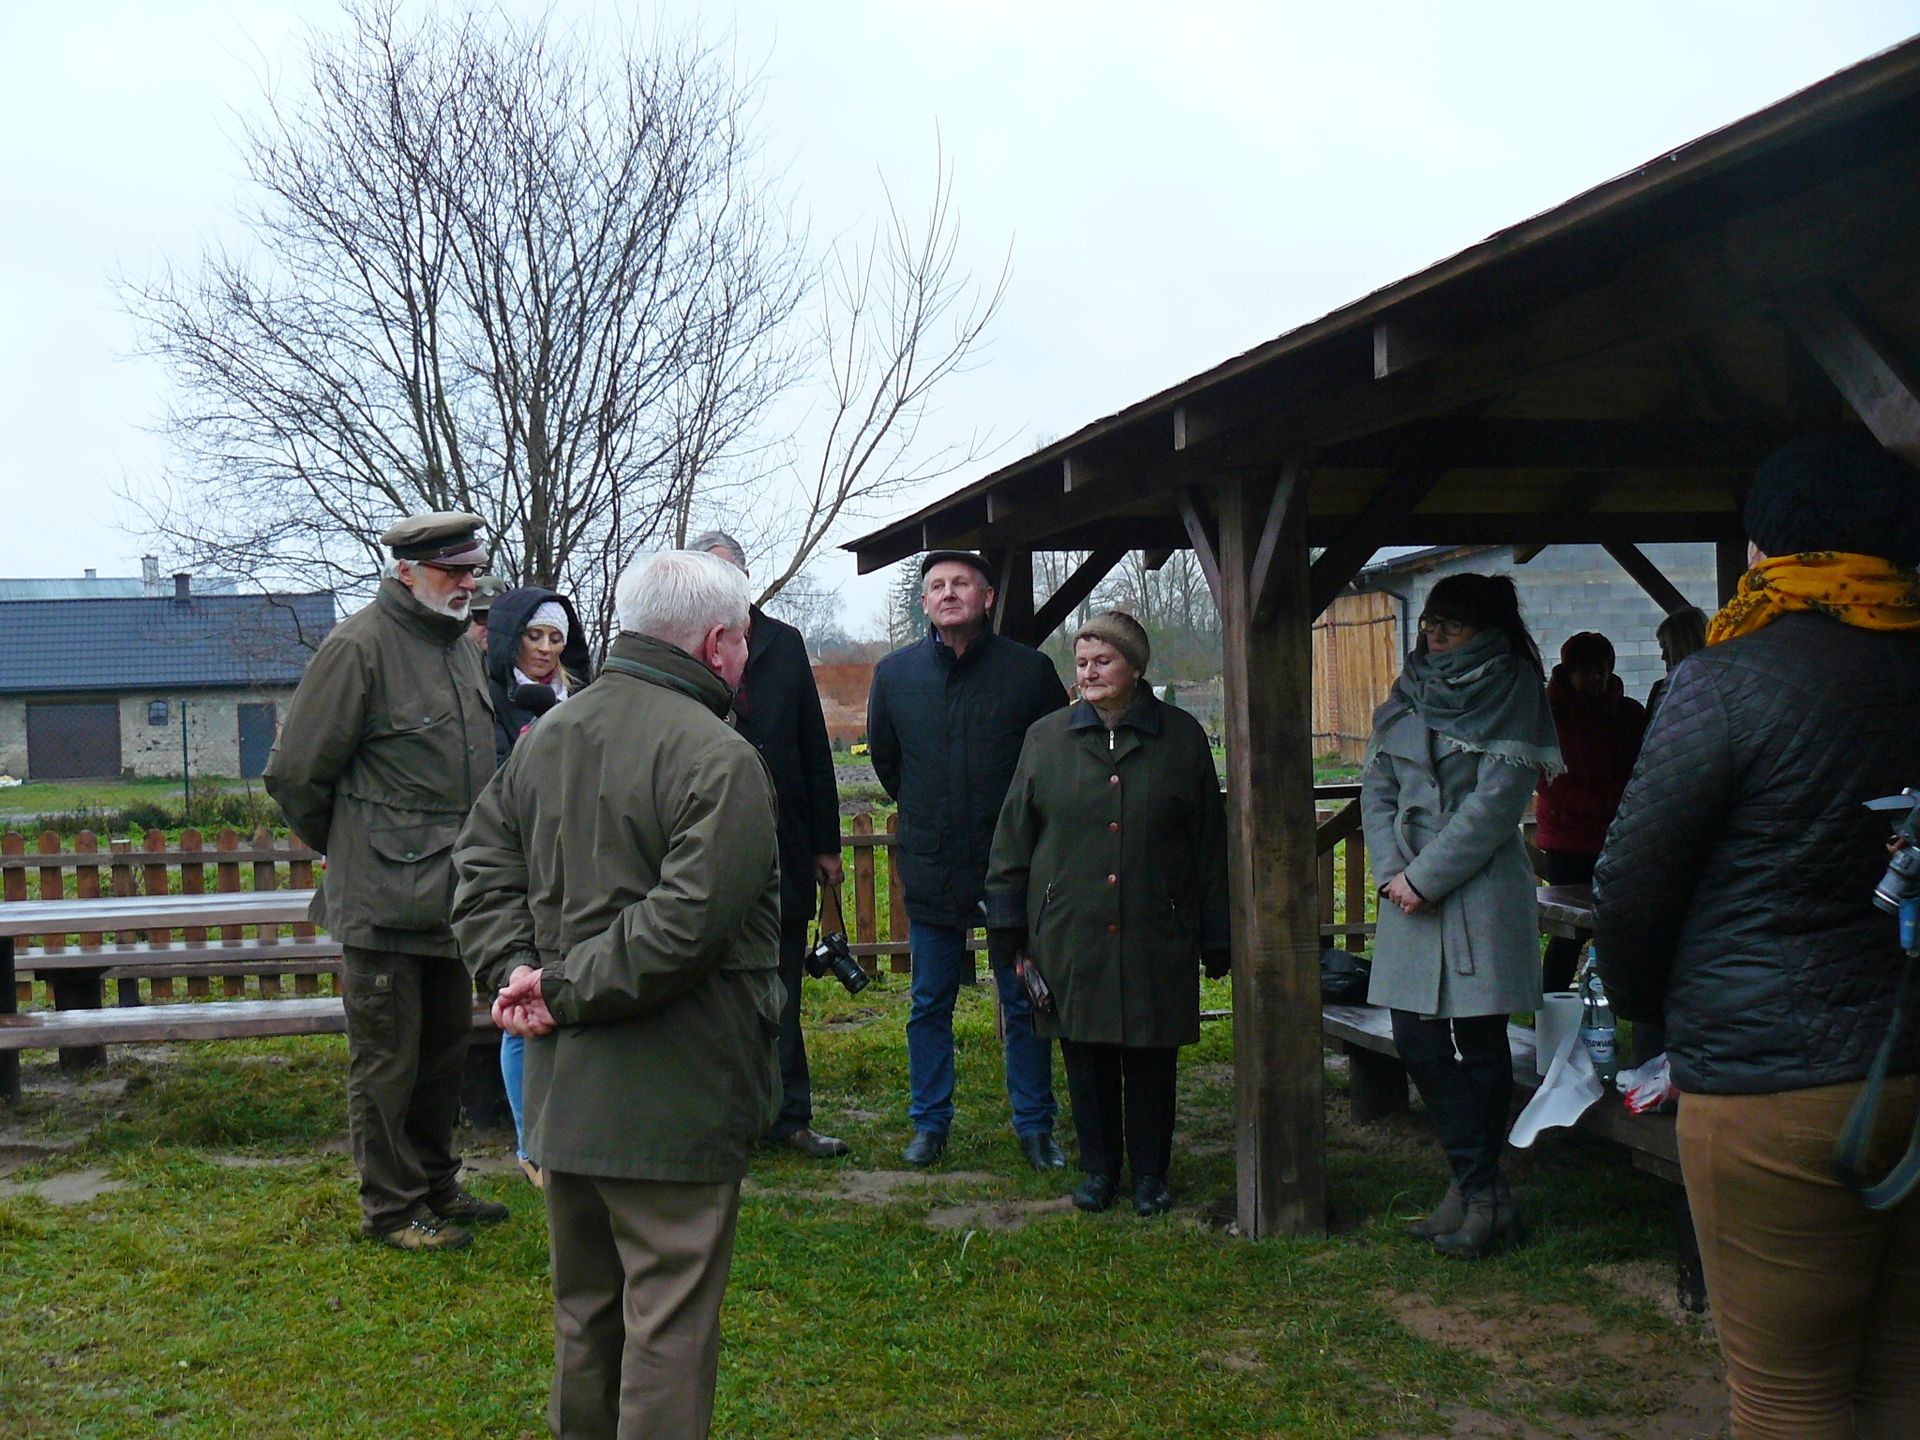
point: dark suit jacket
(778, 709)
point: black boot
(1491, 1224)
(1446, 1218)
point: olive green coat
(627, 848)
(1111, 851)
(386, 744)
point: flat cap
(964, 557)
(446, 537)
(486, 589)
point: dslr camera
(1901, 882)
(831, 955)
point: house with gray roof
(106, 685)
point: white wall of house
(154, 749)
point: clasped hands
(520, 1009)
(1405, 896)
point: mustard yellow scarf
(1861, 590)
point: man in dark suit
(777, 707)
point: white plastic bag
(1650, 1087)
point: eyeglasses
(456, 571)
(1446, 629)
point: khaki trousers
(1817, 1298)
(639, 1271)
(409, 1018)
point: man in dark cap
(386, 745)
(486, 589)
(777, 707)
(1734, 900)
(946, 718)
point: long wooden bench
(189, 1020)
(1377, 1086)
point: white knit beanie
(551, 612)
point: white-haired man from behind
(619, 887)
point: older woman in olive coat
(1109, 870)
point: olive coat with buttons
(387, 743)
(1111, 852)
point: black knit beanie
(1837, 491)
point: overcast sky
(1178, 183)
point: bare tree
(493, 268)
(896, 315)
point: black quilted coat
(1735, 893)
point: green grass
(213, 1299)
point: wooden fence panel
(1356, 657)
(157, 882)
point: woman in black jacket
(534, 640)
(1735, 898)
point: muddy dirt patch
(995, 1214)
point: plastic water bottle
(1596, 1021)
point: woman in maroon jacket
(1600, 730)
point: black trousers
(796, 1081)
(1122, 1104)
(1468, 1094)
(1564, 868)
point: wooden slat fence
(1356, 657)
(872, 901)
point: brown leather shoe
(465, 1208)
(814, 1145)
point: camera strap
(1849, 1150)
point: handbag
(1343, 978)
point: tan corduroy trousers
(1817, 1298)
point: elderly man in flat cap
(386, 745)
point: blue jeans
(513, 1064)
(940, 961)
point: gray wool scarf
(1482, 697)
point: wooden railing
(872, 901)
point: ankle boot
(1491, 1224)
(1446, 1218)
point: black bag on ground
(1344, 977)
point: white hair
(679, 595)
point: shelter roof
(1609, 370)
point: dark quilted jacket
(1735, 891)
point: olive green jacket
(627, 848)
(386, 744)
(1111, 852)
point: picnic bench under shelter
(1608, 372)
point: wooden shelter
(1607, 372)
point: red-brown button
(1113, 929)
(1113, 879)
(1113, 825)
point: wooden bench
(189, 1020)
(1377, 1086)
(195, 961)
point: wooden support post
(1013, 595)
(1647, 576)
(1729, 564)
(1203, 533)
(1864, 366)
(1281, 1139)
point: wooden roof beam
(1647, 576)
(1284, 509)
(1474, 443)
(1864, 366)
(1342, 560)
(1074, 589)
(1203, 534)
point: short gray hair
(711, 540)
(679, 595)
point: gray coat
(1453, 828)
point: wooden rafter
(1647, 576)
(1203, 533)
(1341, 560)
(1074, 589)
(1283, 510)
(1864, 366)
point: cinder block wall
(1569, 588)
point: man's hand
(1004, 947)
(520, 1009)
(1405, 896)
(828, 870)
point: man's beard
(454, 607)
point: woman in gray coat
(1455, 754)
(1110, 871)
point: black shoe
(1041, 1152)
(462, 1208)
(926, 1148)
(1096, 1192)
(1151, 1196)
(814, 1145)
